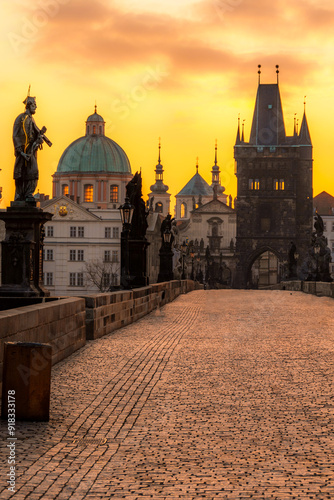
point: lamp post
(126, 215)
(183, 250)
(166, 257)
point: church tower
(159, 198)
(274, 193)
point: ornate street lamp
(166, 257)
(126, 215)
(183, 250)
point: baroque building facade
(82, 241)
(274, 193)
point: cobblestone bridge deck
(221, 394)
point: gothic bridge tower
(274, 193)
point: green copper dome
(94, 152)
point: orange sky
(179, 69)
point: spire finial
(197, 165)
(304, 103)
(95, 107)
(259, 72)
(216, 153)
(243, 131)
(277, 71)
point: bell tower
(274, 192)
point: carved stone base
(166, 264)
(22, 252)
(137, 263)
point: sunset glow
(181, 70)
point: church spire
(243, 131)
(304, 134)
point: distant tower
(274, 193)
(216, 186)
(159, 198)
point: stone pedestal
(137, 263)
(166, 264)
(22, 251)
(27, 379)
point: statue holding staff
(27, 139)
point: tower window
(100, 129)
(65, 189)
(254, 184)
(279, 185)
(94, 129)
(183, 210)
(88, 193)
(113, 194)
(158, 207)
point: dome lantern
(95, 124)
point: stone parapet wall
(108, 311)
(60, 323)
(320, 288)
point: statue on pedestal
(27, 139)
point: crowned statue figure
(27, 139)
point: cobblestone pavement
(221, 394)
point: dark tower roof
(268, 124)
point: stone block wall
(60, 323)
(109, 311)
(320, 288)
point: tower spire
(243, 131)
(197, 165)
(237, 141)
(277, 72)
(259, 72)
(159, 160)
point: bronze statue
(139, 223)
(27, 139)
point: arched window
(88, 193)
(65, 190)
(215, 229)
(94, 129)
(158, 207)
(183, 210)
(113, 194)
(100, 129)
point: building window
(100, 129)
(250, 183)
(107, 232)
(276, 184)
(159, 207)
(49, 254)
(73, 232)
(81, 232)
(115, 256)
(48, 279)
(65, 190)
(114, 277)
(76, 279)
(94, 129)
(257, 184)
(254, 184)
(107, 256)
(115, 232)
(49, 231)
(113, 194)
(88, 193)
(81, 255)
(183, 210)
(73, 254)
(279, 185)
